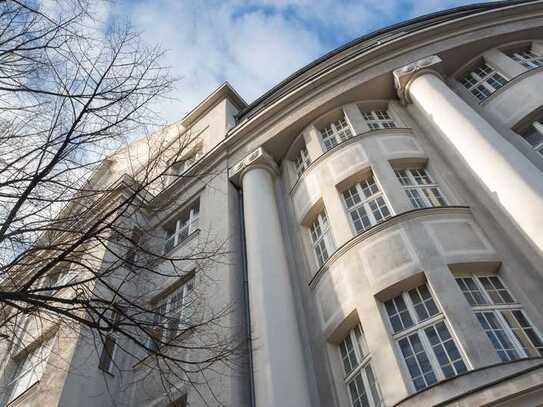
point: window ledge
(182, 242)
(509, 84)
(411, 214)
(353, 139)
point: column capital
(259, 158)
(404, 76)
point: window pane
(398, 314)
(445, 350)
(417, 362)
(496, 333)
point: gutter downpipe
(252, 401)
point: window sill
(182, 242)
(393, 220)
(353, 139)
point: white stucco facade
(385, 207)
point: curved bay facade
(405, 172)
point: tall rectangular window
(172, 314)
(527, 58)
(336, 133)
(420, 188)
(426, 345)
(109, 348)
(483, 81)
(501, 317)
(321, 237)
(302, 161)
(359, 378)
(185, 225)
(29, 370)
(378, 119)
(366, 204)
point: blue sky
(254, 44)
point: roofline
(225, 90)
(468, 9)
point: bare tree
(76, 240)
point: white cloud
(254, 44)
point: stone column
(513, 181)
(280, 375)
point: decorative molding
(404, 76)
(259, 158)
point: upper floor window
(302, 161)
(172, 313)
(366, 204)
(321, 237)
(534, 136)
(186, 224)
(420, 330)
(527, 58)
(359, 377)
(186, 162)
(110, 343)
(483, 81)
(501, 317)
(29, 370)
(337, 132)
(420, 188)
(378, 119)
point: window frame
(162, 319)
(363, 362)
(419, 328)
(324, 236)
(13, 391)
(498, 310)
(301, 161)
(378, 119)
(191, 223)
(365, 203)
(478, 85)
(333, 134)
(535, 128)
(420, 189)
(527, 58)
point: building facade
(385, 206)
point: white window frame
(420, 188)
(185, 225)
(302, 161)
(369, 205)
(320, 234)
(535, 129)
(336, 133)
(527, 58)
(378, 119)
(483, 80)
(508, 305)
(362, 364)
(175, 309)
(418, 328)
(107, 358)
(29, 367)
(186, 162)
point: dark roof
(388, 32)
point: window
(302, 161)
(501, 317)
(337, 132)
(426, 345)
(185, 163)
(534, 136)
(527, 58)
(378, 119)
(483, 81)
(183, 227)
(172, 314)
(419, 187)
(366, 204)
(321, 237)
(359, 378)
(29, 370)
(110, 342)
